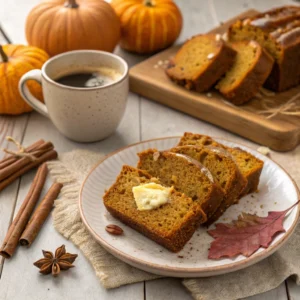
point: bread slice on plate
(200, 62)
(250, 70)
(224, 170)
(170, 225)
(187, 175)
(249, 165)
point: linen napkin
(71, 168)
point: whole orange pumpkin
(148, 25)
(63, 25)
(15, 61)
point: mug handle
(27, 96)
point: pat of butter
(150, 195)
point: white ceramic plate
(277, 191)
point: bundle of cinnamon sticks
(18, 163)
(22, 230)
(23, 160)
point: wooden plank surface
(12, 126)
(293, 289)
(166, 288)
(67, 287)
(143, 119)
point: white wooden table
(143, 120)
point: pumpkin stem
(3, 55)
(71, 4)
(149, 3)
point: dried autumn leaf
(245, 235)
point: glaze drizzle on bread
(249, 165)
(224, 170)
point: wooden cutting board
(280, 133)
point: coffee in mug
(93, 78)
(85, 93)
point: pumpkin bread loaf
(249, 165)
(170, 225)
(187, 176)
(200, 62)
(250, 70)
(223, 169)
(278, 31)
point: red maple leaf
(246, 234)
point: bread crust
(173, 242)
(286, 74)
(238, 186)
(248, 86)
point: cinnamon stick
(10, 159)
(52, 154)
(19, 223)
(40, 215)
(23, 161)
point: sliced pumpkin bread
(250, 70)
(187, 175)
(278, 31)
(223, 169)
(200, 62)
(249, 165)
(170, 225)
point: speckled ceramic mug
(81, 114)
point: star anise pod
(53, 264)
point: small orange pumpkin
(15, 61)
(63, 25)
(148, 25)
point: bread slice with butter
(160, 213)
